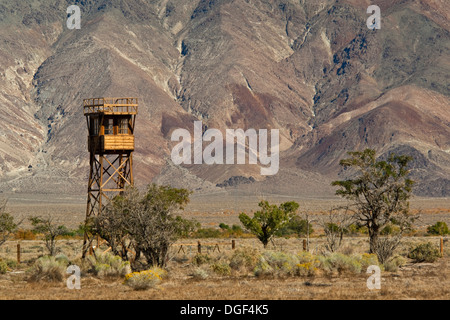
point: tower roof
(112, 106)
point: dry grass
(413, 281)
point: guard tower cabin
(110, 123)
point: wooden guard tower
(110, 123)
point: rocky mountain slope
(311, 69)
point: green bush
(439, 228)
(11, 263)
(200, 274)
(237, 230)
(201, 258)
(296, 226)
(390, 229)
(277, 263)
(393, 264)
(338, 262)
(3, 267)
(244, 259)
(108, 265)
(221, 268)
(224, 226)
(207, 233)
(355, 229)
(424, 252)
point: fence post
(304, 244)
(442, 247)
(199, 247)
(233, 244)
(18, 252)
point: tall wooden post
(18, 252)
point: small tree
(379, 194)
(153, 225)
(7, 225)
(50, 231)
(112, 224)
(440, 228)
(144, 222)
(267, 221)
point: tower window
(109, 126)
(123, 127)
(94, 126)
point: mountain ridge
(311, 69)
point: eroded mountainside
(311, 69)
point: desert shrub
(390, 229)
(221, 268)
(62, 258)
(338, 262)
(393, 264)
(108, 265)
(3, 267)
(200, 274)
(143, 280)
(201, 258)
(24, 234)
(237, 230)
(224, 226)
(207, 233)
(296, 226)
(244, 259)
(308, 268)
(439, 228)
(424, 252)
(48, 268)
(356, 229)
(263, 268)
(308, 264)
(11, 263)
(277, 263)
(367, 259)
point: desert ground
(410, 281)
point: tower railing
(110, 106)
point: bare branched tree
(386, 245)
(335, 224)
(50, 230)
